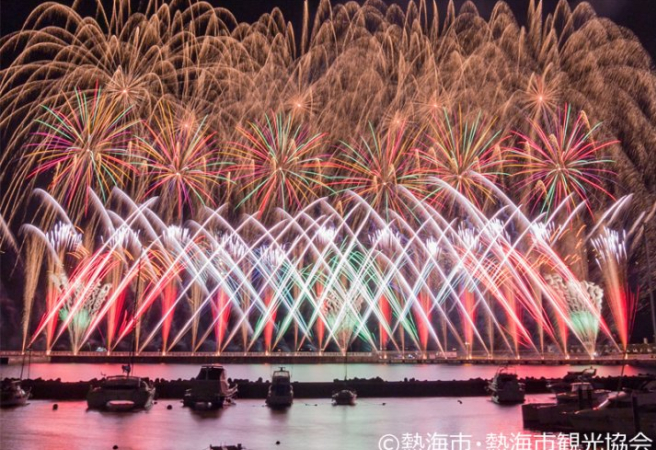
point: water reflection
(309, 424)
(305, 372)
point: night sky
(637, 15)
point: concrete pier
(642, 360)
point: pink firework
(181, 163)
(82, 146)
(564, 159)
(464, 154)
(278, 164)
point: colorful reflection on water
(308, 424)
(305, 372)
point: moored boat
(626, 412)
(12, 394)
(121, 393)
(281, 392)
(344, 397)
(551, 416)
(506, 388)
(210, 389)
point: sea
(445, 423)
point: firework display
(376, 183)
(317, 277)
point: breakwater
(374, 387)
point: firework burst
(180, 162)
(462, 153)
(542, 94)
(278, 164)
(563, 160)
(83, 146)
(377, 166)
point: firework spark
(379, 166)
(278, 164)
(181, 163)
(82, 146)
(462, 152)
(564, 161)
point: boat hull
(614, 422)
(121, 394)
(120, 405)
(13, 395)
(13, 401)
(508, 398)
(279, 401)
(344, 398)
(120, 400)
(195, 401)
(546, 416)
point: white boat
(625, 412)
(12, 394)
(210, 389)
(506, 388)
(584, 394)
(281, 392)
(551, 416)
(121, 393)
(344, 397)
(564, 384)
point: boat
(559, 385)
(546, 416)
(585, 374)
(210, 389)
(551, 416)
(344, 397)
(281, 392)
(506, 388)
(121, 393)
(584, 394)
(11, 391)
(12, 394)
(626, 412)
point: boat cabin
(10, 384)
(281, 377)
(583, 386)
(578, 375)
(120, 382)
(212, 373)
